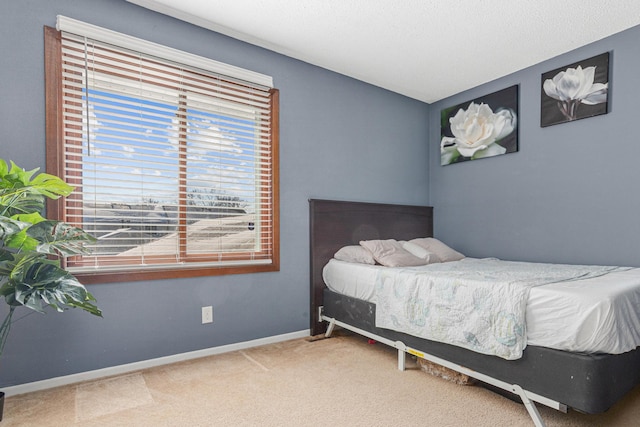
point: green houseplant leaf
(20, 193)
(58, 237)
(9, 227)
(36, 282)
(31, 247)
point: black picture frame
(459, 143)
(574, 91)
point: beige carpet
(342, 381)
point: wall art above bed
(575, 91)
(483, 127)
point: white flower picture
(484, 127)
(575, 91)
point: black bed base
(589, 383)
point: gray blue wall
(570, 194)
(339, 138)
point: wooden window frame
(56, 165)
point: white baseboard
(136, 366)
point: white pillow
(441, 250)
(420, 252)
(354, 253)
(391, 254)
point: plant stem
(14, 197)
(5, 327)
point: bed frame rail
(527, 397)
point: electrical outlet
(207, 314)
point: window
(175, 164)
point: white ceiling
(424, 49)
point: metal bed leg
(322, 318)
(332, 324)
(402, 359)
(531, 407)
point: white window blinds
(173, 164)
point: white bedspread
(475, 304)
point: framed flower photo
(484, 127)
(575, 91)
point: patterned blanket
(478, 304)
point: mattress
(595, 315)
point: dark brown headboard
(334, 224)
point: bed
(586, 382)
